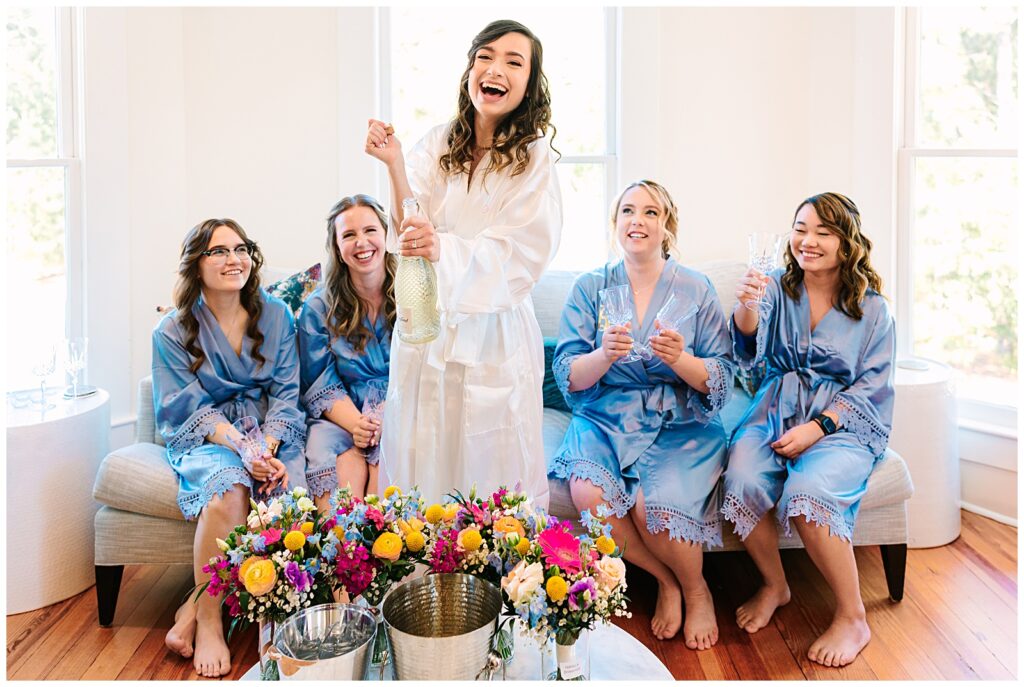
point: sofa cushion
(553, 397)
(138, 479)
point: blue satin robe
(641, 426)
(225, 388)
(845, 366)
(332, 370)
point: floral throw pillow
(295, 289)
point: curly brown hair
(345, 309)
(189, 285)
(856, 276)
(518, 129)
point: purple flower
(582, 594)
(294, 574)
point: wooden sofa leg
(108, 584)
(894, 561)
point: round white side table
(52, 459)
(924, 432)
(614, 655)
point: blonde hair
(669, 219)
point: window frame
(995, 418)
(610, 160)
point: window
(958, 177)
(427, 53)
(43, 272)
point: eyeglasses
(219, 255)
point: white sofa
(139, 521)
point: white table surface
(614, 655)
(52, 458)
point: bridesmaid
(821, 417)
(645, 437)
(344, 348)
(226, 351)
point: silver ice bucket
(325, 642)
(441, 627)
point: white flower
(522, 581)
(611, 572)
(275, 509)
(222, 545)
(299, 492)
(305, 504)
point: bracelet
(828, 426)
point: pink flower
(446, 555)
(271, 535)
(376, 517)
(496, 496)
(561, 548)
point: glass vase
(567, 657)
(267, 637)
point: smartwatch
(828, 426)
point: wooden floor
(958, 620)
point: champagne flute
(373, 406)
(764, 257)
(249, 443)
(42, 367)
(617, 303)
(74, 360)
(674, 313)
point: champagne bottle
(416, 293)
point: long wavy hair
(189, 285)
(345, 308)
(518, 129)
(856, 276)
(669, 218)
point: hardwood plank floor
(958, 620)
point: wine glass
(674, 313)
(43, 366)
(249, 442)
(764, 257)
(74, 359)
(373, 406)
(617, 303)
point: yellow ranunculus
(508, 524)
(307, 528)
(294, 540)
(414, 541)
(388, 546)
(392, 491)
(522, 546)
(470, 539)
(557, 588)
(246, 564)
(605, 545)
(260, 577)
(450, 511)
(434, 513)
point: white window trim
(613, 116)
(981, 416)
(69, 129)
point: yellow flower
(522, 546)
(388, 546)
(470, 539)
(605, 545)
(508, 524)
(260, 577)
(450, 511)
(557, 588)
(248, 563)
(307, 528)
(339, 532)
(403, 527)
(416, 524)
(294, 540)
(392, 491)
(434, 513)
(414, 541)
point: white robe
(466, 409)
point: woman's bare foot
(841, 642)
(212, 656)
(179, 638)
(668, 611)
(700, 631)
(758, 610)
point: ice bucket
(440, 627)
(325, 642)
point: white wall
(259, 114)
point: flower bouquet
(272, 565)
(564, 585)
(373, 543)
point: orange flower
(508, 524)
